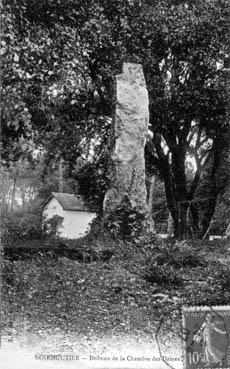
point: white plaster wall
(75, 223)
(53, 208)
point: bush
(163, 275)
(50, 227)
(176, 255)
(126, 223)
(165, 262)
(28, 225)
(21, 225)
(181, 255)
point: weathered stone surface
(130, 129)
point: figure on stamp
(205, 336)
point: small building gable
(68, 201)
(76, 215)
(53, 207)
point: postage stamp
(206, 337)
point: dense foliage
(60, 59)
(21, 226)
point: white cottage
(77, 216)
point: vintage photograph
(115, 184)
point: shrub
(28, 225)
(21, 225)
(50, 227)
(180, 255)
(163, 275)
(126, 223)
(164, 263)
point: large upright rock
(130, 129)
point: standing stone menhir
(130, 130)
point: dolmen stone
(129, 134)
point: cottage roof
(68, 201)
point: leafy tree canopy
(60, 58)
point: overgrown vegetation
(127, 293)
(125, 223)
(28, 224)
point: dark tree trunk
(171, 200)
(186, 213)
(195, 220)
(218, 148)
(181, 193)
(183, 220)
(208, 215)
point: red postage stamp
(206, 336)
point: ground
(134, 296)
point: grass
(127, 293)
